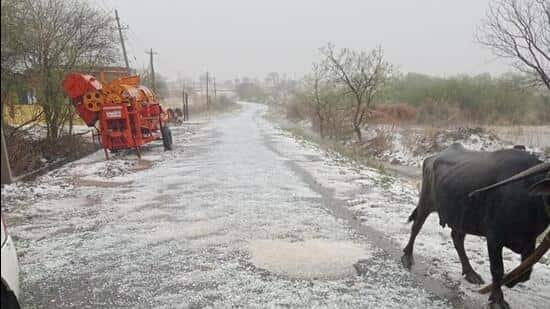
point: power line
(135, 41)
(132, 59)
(136, 37)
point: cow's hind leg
(419, 216)
(467, 270)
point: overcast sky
(253, 37)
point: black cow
(540, 188)
(506, 216)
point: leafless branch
(362, 74)
(32, 120)
(520, 31)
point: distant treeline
(415, 98)
(347, 89)
(482, 98)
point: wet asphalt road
(222, 221)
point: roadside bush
(222, 103)
(394, 113)
(339, 122)
(27, 154)
(380, 143)
(482, 99)
(23, 153)
(296, 110)
(250, 91)
(433, 112)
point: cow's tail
(412, 217)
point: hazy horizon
(251, 38)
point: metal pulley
(93, 100)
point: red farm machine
(128, 113)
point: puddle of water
(310, 259)
(142, 164)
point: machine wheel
(166, 137)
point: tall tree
(363, 74)
(520, 31)
(12, 80)
(11, 51)
(61, 36)
(321, 93)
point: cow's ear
(541, 188)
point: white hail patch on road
(310, 259)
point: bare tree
(520, 31)
(11, 77)
(279, 88)
(320, 101)
(321, 94)
(362, 74)
(61, 36)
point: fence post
(186, 108)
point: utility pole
(185, 104)
(186, 107)
(215, 93)
(151, 53)
(207, 97)
(122, 41)
(183, 100)
(201, 93)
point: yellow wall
(17, 114)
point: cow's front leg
(467, 270)
(494, 246)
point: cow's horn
(537, 169)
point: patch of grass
(351, 151)
(386, 181)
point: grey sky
(250, 38)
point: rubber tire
(166, 138)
